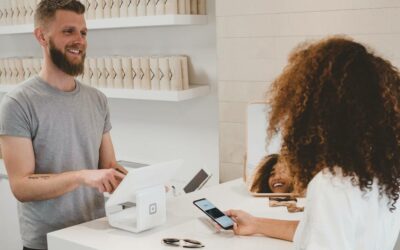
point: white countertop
(184, 220)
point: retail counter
(184, 220)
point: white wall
(255, 37)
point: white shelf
(151, 95)
(155, 95)
(123, 22)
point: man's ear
(39, 34)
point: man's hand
(105, 180)
(245, 224)
(120, 169)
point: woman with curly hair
(271, 176)
(337, 106)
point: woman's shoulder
(333, 181)
(333, 176)
(334, 184)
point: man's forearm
(280, 229)
(38, 187)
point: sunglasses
(187, 243)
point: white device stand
(145, 210)
(139, 202)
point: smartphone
(197, 181)
(214, 213)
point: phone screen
(214, 213)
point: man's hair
(46, 9)
(337, 104)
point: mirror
(264, 174)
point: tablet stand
(145, 209)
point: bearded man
(54, 132)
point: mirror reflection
(265, 173)
(272, 176)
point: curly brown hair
(337, 105)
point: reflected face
(280, 180)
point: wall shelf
(154, 95)
(151, 95)
(122, 22)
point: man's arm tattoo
(36, 177)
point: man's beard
(61, 61)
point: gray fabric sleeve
(13, 119)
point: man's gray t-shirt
(66, 130)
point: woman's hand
(245, 223)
